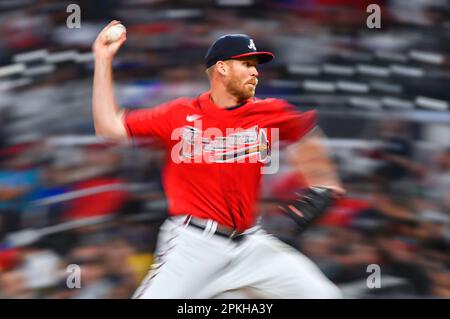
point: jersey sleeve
(151, 122)
(294, 124)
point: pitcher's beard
(241, 91)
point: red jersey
(215, 155)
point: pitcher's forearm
(106, 113)
(311, 158)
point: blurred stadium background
(67, 197)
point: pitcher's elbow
(117, 133)
(104, 132)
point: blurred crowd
(69, 198)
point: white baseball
(113, 33)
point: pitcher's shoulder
(272, 104)
(184, 102)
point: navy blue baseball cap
(233, 46)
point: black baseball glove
(308, 206)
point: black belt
(220, 230)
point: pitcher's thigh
(185, 271)
(289, 274)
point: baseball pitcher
(217, 144)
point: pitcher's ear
(222, 67)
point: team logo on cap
(252, 45)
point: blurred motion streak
(382, 96)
